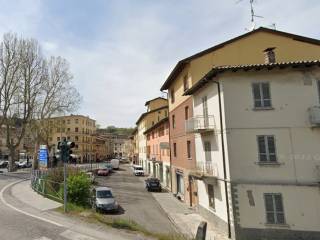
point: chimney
(269, 55)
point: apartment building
(245, 49)
(157, 109)
(158, 151)
(257, 131)
(79, 129)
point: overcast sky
(121, 51)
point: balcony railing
(199, 124)
(205, 169)
(314, 115)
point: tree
(58, 96)
(32, 89)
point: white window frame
(275, 212)
(262, 98)
(267, 149)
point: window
(185, 83)
(76, 121)
(172, 95)
(76, 129)
(68, 130)
(174, 149)
(211, 196)
(205, 111)
(207, 150)
(261, 95)
(173, 121)
(58, 139)
(267, 149)
(189, 149)
(186, 113)
(76, 138)
(274, 208)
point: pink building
(158, 151)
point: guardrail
(199, 124)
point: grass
(118, 223)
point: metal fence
(45, 187)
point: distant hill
(116, 130)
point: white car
(115, 163)
(138, 170)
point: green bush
(78, 189)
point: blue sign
(43, 156)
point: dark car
(3, 164)
(153, 185)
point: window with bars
(261, 95)
(267, 149)
(274, 208)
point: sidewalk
(185, 219)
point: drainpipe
(224, 160)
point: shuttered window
(274, 208)
(266, 148)
(261, 95)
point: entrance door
(180, 184)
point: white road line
(75, 236)
(21, 211)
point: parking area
(136, 202)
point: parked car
(24, 164)
(103, 172)
(138, 170)
(153, 184)
(115, 163)
(91, 176)
(4, 164)
(109, 166)
(103, 200)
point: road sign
(43, 156)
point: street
(136, 203)
(19, 221)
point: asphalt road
(136, 203)
(16, 225)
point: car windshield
(139, 168)
(104, 194)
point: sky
(121, 51)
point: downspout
(169, 144)
(224, 159)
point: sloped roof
(256, 67)
(147, 102)
(181, 64)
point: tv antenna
(253, 14)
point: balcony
(200, 124)
(314, 116)
(205, 169)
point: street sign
(43, 156)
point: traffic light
(65, 149)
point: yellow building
(79, 129)
(157, 109)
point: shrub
(78, 189)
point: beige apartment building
(157, 109)
(257, 138)
(79, 129)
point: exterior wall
(295, 175)
(157, 103)
(181, 163)
(158, 157)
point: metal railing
(198, 124)
(45, 187)
(207, 168)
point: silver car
(104, 200)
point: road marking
(68, 234)
(21, 211)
